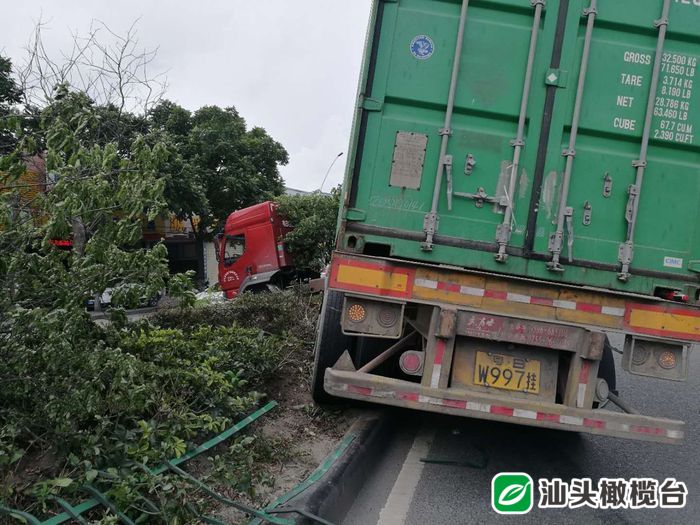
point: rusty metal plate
(409, 158)
(534, 333)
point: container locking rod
(505, 229)
(431, 219)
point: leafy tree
(224, 167)
(314, 218)
(10, 95)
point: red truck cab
(251, 251)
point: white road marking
(396, 508)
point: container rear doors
(635, 178)
(501, 182)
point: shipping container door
(629, 217)
(610, 166)
(405, 108)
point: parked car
(107, 298)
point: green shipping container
(554, 140)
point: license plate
(507, 372)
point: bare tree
(112, 69)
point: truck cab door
(232, 269)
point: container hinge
(626, 250)
(430, 226)
(556, 241)
(371, 104)
(447, 162)
(626, 254)
(570, 234)
(503, 233)
(633, 192)
(480, 197)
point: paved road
(453, 485)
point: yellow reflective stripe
(664, 322)
(395, 282)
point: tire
(330, 344)
(606, 370)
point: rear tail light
(411, 363)
(667, 360)
(673, 295)
(357, 313)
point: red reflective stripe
(593, 423)
(541, 416)
(361, 390)
(541, 301)
(492, 294)
(591, 308)
(439, 351)
(501, 411)
(454, 403)
(408, 396)
(648, 430)
(585, 372)
(449, 287)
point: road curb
(332, 496)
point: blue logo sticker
(422, 47)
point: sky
(290, 67)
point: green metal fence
(271, 514)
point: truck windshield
(235, 246)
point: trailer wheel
(606, 370)
(330, 344)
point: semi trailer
(523, 181)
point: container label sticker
(673, 262)
(422, 47)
